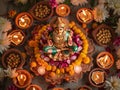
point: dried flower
(12, 13)
(5, 25)
(53, 3)
(100, 13)
(10, 72)
(77, 2)
(101, 1)
(118, 52)
(114, 4)
(112, 83)
(4, 42)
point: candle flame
(97, 77)
(22, 19)
(33, 88)
(106, 57)
(21, 76)
(84, 12)
(15, 36)
(62, 7)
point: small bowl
(35, 12)
(63, 10)
(17, 20)
(90, 15)
(110, 63)
(85, 87)
(33, 85)
(103, 26)
(14, 33)
(92, 82)
(28, 78)
(11, 53)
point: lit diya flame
(21, 79)
(16, 37)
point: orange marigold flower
(12, 13)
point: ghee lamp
(105, 60)
(63, 10)
(84, 15)
(21, 79)
(97, 77)
(16, 37)
(24, 20)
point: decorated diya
(105, 60)
(24, 20)
(60, 51)
(97, 77)
(23, 79)
(16, 37)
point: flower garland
(53, 70)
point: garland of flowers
(53, 69)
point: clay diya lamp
(23, 79)
(105, 60)
(85, 87)
(24, 20)
(84, 15)
(97, 77)
(17, 37)
(33, 87)
(13, 58)
(63, 10)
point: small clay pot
(103, 26)
(12, 32)
(7, 53)
(92, 82)
(111, 59)
(28, 78)
(32, 11)
(62, 6)
(19, 16)
(78, 15)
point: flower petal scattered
(100, 13)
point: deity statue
(59, 42)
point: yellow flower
(49, 67)
(58, 71)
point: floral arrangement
(61, 68)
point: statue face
(59, 28)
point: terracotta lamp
(97, 77)
(23, 79)
(84, 15)
(24, 20)
(63, 10)
(33, 87)
(16, 37)
(105, 60)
